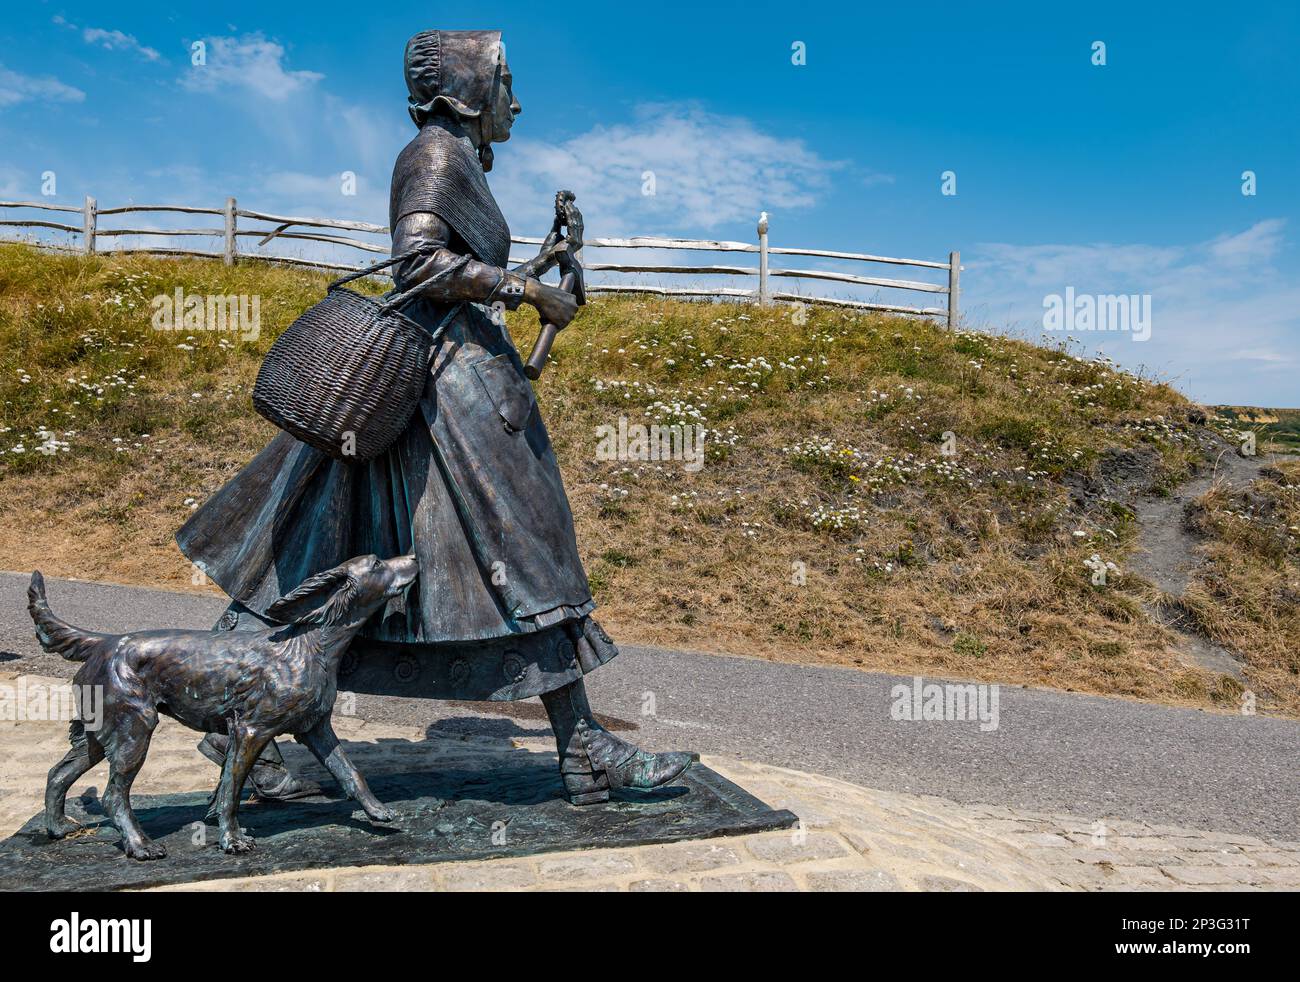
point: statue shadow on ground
(480, 804)
(496, 728)
(517, 720)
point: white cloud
(322, 195)
(708, 170)
(16, 87)
(12, 182)
(251, 63)
(1224, 322)
(109, 40)
(1256, 354)
(1049, 264)
(1259, 243)
(118, 41)
(370, 139)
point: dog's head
(347, 594)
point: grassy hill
(1277, 430)
(828, 524)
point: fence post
(89, 218)
(764, 297)
(230, 232)
(954, 288)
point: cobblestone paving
(852, 838)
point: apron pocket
(509, 391)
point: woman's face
(505, 108)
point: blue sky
(1122, 178)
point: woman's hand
(549, 255)
(549, 244)
(555, 306)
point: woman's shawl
(440, 173)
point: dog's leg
(245, 746)
(126, 746)
(85, 754)
(273, 779)
(322, 742)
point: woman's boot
(593, 760)
(271, 777)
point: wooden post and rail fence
(310, 229)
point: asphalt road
(1051, 751)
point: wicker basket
(347, 375)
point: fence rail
(280, 226)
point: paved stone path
(852, 838)
(1052, 752)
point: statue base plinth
(513, 807)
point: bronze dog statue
(251, 685)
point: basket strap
(390, 261)
(396, 301)
(436, 334)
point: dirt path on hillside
(1168, 554)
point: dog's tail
(72, 643)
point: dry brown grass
(963, 566)
(1247, 595)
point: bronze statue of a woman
(502, 607)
